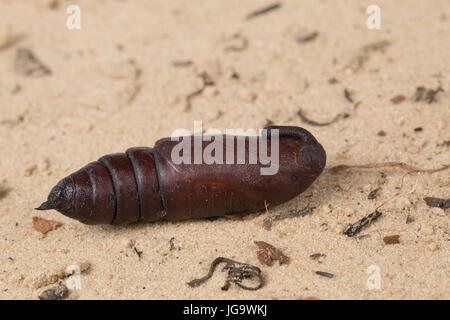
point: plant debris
(321, 124)
(372, 194)
(316, 256)
(172, 244)
(237, 272)
(55, 293)
(356, 227)
(268, 253)
(28, 65)
(348, 95)
(236, 43)
(366, 51)
(44, 226)
(48, 278)
(377, 46)
(325, 274)
(307, 37)
(409, 219)
(401, 165)
(4, 191)
(207, 81)
(264, 10)
(138, 252)
(309, 298)
(398, 99)
(182, 63)
(394, 239)
(333, 80)
(437, 202)
(11, 123)
(267, 223)
(418, 129)
(427, 95)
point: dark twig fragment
(28, 65)
(268, 253)
(307, 37)
(237, 272)
(325, 274)
(348, 95)
(267, 223)
(264, 10)
(321, 124)
(437, 202)
(138, 252)
(372, 194)
(356, 227)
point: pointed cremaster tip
(47, 205)
(60, 197)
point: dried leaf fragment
(437, 202)
(28, 65)
(267, 254)
(44, 226)
(394, 239)
(428, 95)
(398, 99)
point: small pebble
(427, 230)
(52, 4)
(403, 203)
(30, 170)
(55, 293)
(433, 247)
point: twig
(237, 272)
(356, 227)
(321, 124)
(264, 10)
(400, 165)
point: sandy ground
(122, 81)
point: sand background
(114, 85)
